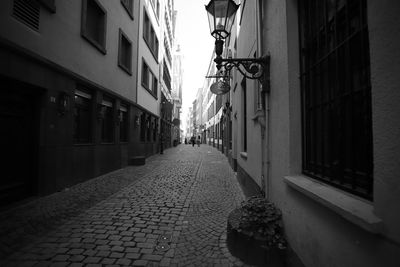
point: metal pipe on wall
(264, 107)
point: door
(18, 142)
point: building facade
(177, 85)
(320, 138)
(76, 95)
(156, 40)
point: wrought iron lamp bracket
(251, 68)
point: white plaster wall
(320, 236)
(384, 33)
(144, 98)
(59, 40)
(246, 46)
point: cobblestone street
(170, 212)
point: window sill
(128, 10)
(97, 45)
(150, 92)
(349, 207)
(83, 144)
(126, 69)
(243, 155)
(154, 53)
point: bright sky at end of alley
(197, 45)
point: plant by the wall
(261, 220)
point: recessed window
(146, 27)
(143, 127)
(149, 80)
(82, 117)
(128, 5)
(107, 120)
(244, 113)
(125, 53)
(145, 75)
(336, 94)
(148, 125)
(149, 35)
(155, 85)
(155, 126)
(158, 8)
(166, 76)
(94, 24)
(123, 123)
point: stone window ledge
(349, 207)
(243, 155)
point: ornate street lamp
(221, 16)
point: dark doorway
(18, 141)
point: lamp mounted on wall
(221, 16)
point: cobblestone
(170, 212)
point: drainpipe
(263, 116)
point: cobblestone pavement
(170, 212)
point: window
(27, 12)
(158, 9)
(155, 86)
(167, 50)
(145, 75)
(143, 127)
(148, 121)
(123, 123)
(93, 26)
(155, 126)
(149, 80)
(149, 35)
(128, 5)
(336, 94)
(166, 76)
(82, 117)
(218, 103)
(125, 53)
(107, 121)
(146, 27)
(244, 112)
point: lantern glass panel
(221, 15)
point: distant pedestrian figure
(198, 141)
(185, 141)
(192, 140)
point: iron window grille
(336, 94)
(82, 131)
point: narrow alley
(170, 212)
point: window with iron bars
(336, 94)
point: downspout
(263, 109)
